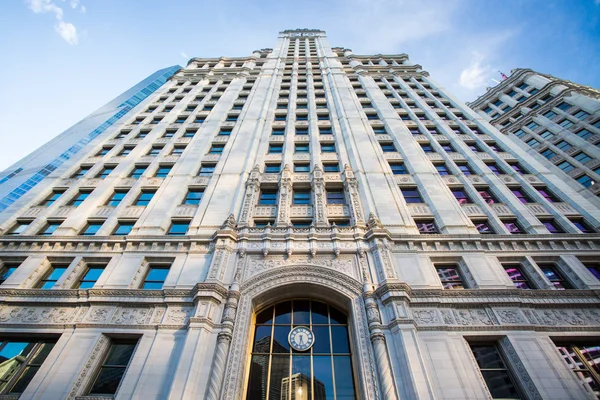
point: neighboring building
(558, 119)
(301, 186)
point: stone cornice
(516, 74)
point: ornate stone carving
(520, 371)
(178, 315)
(89, 366)
(131, 316)
(259, 265)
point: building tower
(557, 119)
(304, 186)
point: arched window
(301, 351)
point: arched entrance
(290, 363)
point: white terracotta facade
(361, 253)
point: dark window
(387, 147)
(496, 375)
(552, 227)
(113, 367)
(582, 226)
(495, 169)
(156, 276)
(516, 274)
(335, 196)
(50, 227)
(302, 148)
(268, 197)
(193, 196)
(272, 168)
(325, 131)
(427, 148)
(398, 168)
(81, 172)
(216, 149)
(51, 199)
(207, 169)
(189, 134)
(327, 148)
(301, 197)
(81, 196)
(144, 198)
(163, 171)
(92, 228)
(126, 151)
(513, 227)
(518, 169)
(412, 196)
(178, 228)
(8, 268)
(19, 228)
(123, 228)
(594, 269)
(461, 196)
(442, 169)
(555, 277)
(52, 276)
(483, 227)
(302, 132)
(22, 358)
(301, 167)
(523, 198)
(450, 276)
(548, 195)
(278, 132)
(138, 171)
(487, 197)
(105, 172)
(426, 226)
(464, 168)
(104, 151)
(330, 167)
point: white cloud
(184, 55)
(67, 31)
(83, 9)
(476, 75)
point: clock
(301, 338)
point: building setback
(558, 119)
(300, 223)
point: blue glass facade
(124, 103)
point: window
(81, 196)
(323, 117)
(110, 374)
(552, 227)
(549, 196)
(555, 277)
(105, 172)
(123, 228)
(523, 198)
(301, 167)
(331, 167)
(23, 358)
(126, 151)
(302, 148)
(163, 171)
(461, 196)
(156, 276)
(144, 198)
(426, 226)
(550, 114)
(380, 131)
(178, 228)
(387, 147)
(178, 150)
(81, 172)
(272, 168)
(547, 135)
(513, 227)
(189, 134)
(8, 268)
(584, 134)
(585, 180)
(483, 227)
(278, 132)
(464, 168)
(104, 151)
(496, 375)
(398, 168)
(414, 131)
(582, 226)
(327, 148)
(532, 125)
(325, 131)
(52, 276)
(474, 147)
(193, 196)
(532, 142)
(216, 149)
(487, 197)
(495, 169)
(563, 145)
(594, 269)
(329, 361)
(154, 151)
(52, 198)
(92, 228)
(450, 276)
(548, 153)
(566, 166)
(19, 228)
(280, 117)
(582, 157)
(275, 148)
(199, 120)
(581, 115)
(91, 275)
(335, 196)
(582, 359)
(565, 123)
(50, 227)
(138, 171)
(426, 148)
(442, 169)
(156, 120)
(301, 197)
(412, 196)
(563, 106)
(448, 148)
(516, 275)
(268, 197)
(207, 169)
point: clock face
(301, 338)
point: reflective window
(584, 361)
(516, 274)
(155, 278)
(91, 275)
(53, 274)
(555, 277)
(496, 375)
(450, 276)
(322, 372)
(21, 360)
(113, 368)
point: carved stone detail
(89, 366)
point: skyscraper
(558, 119)
(429, 255)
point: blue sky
(62, 59)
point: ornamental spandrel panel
(419, 209)
(276, 138)
(34, 211)
(434, 156)
(63, 211)
(473, 210)
(572, 150)
(37, 315)
(475, 179)
(174, 125)
(532, 178)
(186, 210)
(486, 138)
(171, 158)
(103, 211)
(278, 124)
(404, 180)
(326, 138)
(338, 210)
(93, 160)
(484, 156)
(507, 179)
(506, 156)
(301, 211)
(265, 211)
(565, 208)
(186, 140)
(146, 159)
(91, 182)
(301, 138)
(220, 139)
(211, 158)
(392, 156)
(575, 172)
(114, 141)
(228, 124)
(451, 180)
(332, 177)
(257, 264)
(133, 211)
(556, 159)
(200, 180)
(269, 178)
(537, 209)
(383, 137)
(329, 156)
(324, 124)
(421, 138)
(115, 160)
(67, 182)
(301, 124)
(501, 210)
(152, 181)
(456, 156)
(301, 157)
(301, 177)
(273, 157)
